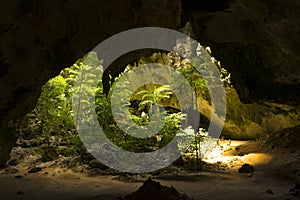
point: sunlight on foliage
(52, 117)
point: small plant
(199, 137)
(155, 97)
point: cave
(255, 46)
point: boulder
(246, 168)
(154, 190)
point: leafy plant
(52, 109)
(53, 114)
(154, 97)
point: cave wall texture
(256, 40)
(39, 38)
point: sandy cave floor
(53, 183)
(202, 186)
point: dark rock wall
(256, 40)
(39, 38)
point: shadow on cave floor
(275, 161)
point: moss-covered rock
(250, 121)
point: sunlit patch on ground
(225, 152)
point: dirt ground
(201, 186)
(54, 183)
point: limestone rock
(154, 190)
(35, 170)
(246, 168)
(269, 191)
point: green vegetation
(52, 119)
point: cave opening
(257, 155)
(49, 145)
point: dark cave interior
(256, 41)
